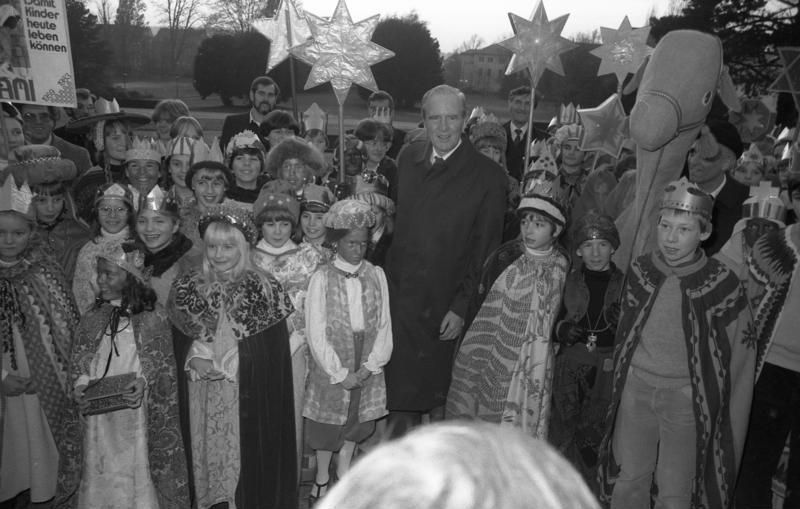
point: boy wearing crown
(774, 269)
(683, 371)
(142, 167)
(571, 173)
(503, 371)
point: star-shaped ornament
(537, 44)
(753, 121)
(341, 52)
(623, 50)
(605, 127)
(789, 80)
(276, 29)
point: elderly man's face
(38, 123)
(519, 106)
(444, 121)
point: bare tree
(237, 15)
(592, 37)
(105, 9)
(475, 41)
(180, 15)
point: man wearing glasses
(38, 124)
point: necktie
(438, 163)
(518, 135)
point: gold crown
(143, 149)
(684, 195)
(114, 191)
(158, 201)
(764, 202)
(15, 198)
(238, 217)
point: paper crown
(15, 198)
(541, 195)
(568, 114)
(126, 257)
(684, 195)
(238, 217)
(488, 127)
(786, 135)
(143, 149)
(215, 154)
(158, 201)
(569, 132)
(114, 191)
(544, 164)
(765, 202)
(373, 188)
(315, 118)
(752, 156)
(197, 150)
(349, 214)
(243, 140)
(316, 198)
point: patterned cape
(34, 294)
(154, 345)
(504, 368)
(721, 367)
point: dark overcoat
(448, 221)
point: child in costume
(314, 203)
(775, 415)
(112, 214)
(143, 167)
(37, 320)
(239, 364)
(584, 364)
(296, 163)
(349, 333)
(208, 180)
(503, 371)
(571, 172)
(376, 139)
(245, 157)
(373, 189)
(132, 457)
(276, 214)
(183, 152)
(683, 370)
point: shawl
(721, 364)
(164, 441)
(161, 261)
(253, 303)
(772, 263)
(329, 403)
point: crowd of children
(225, 320)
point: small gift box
(106, 394)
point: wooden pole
(529, 133)
(291, 64)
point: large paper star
(753, 121)
(277, 31)
(537, 44)
(623, 49)
(341, 52)
(789, 80)
(605, 127)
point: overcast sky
(454, 21)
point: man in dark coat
(519, 107)
(450, 205)
(38, 125)
(264, 94)
(710, 174)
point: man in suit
(713, 155)
(451, 202)
(381, 108)
(519, 107)
(38, 124)
(264, 94)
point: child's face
(116, 143)
(112, 214)
(278, 135)
(143, 175)
(311, 224)
(353, 162)
(679, 236)
(376, 150)
(596, 254)
(380, 215)
(156, 229)
(571, 155)
(48, 207)
(223, 256)
(353, 246)
(111, 279)
(276, 233)
(16, 138)
(15, 232)
(748, 174)
(537, 232)
(178, 166)
(209, 187)
(491, 152)
(319, 142)
(246, 168)
(295, 172)
(756, 228)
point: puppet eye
(707, 98)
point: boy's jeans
(654, 434)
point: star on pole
(276, 29)
(605, 127)
(789, 79)
(753, 121)
(537, 43)
(623, 49)
(341, 52)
